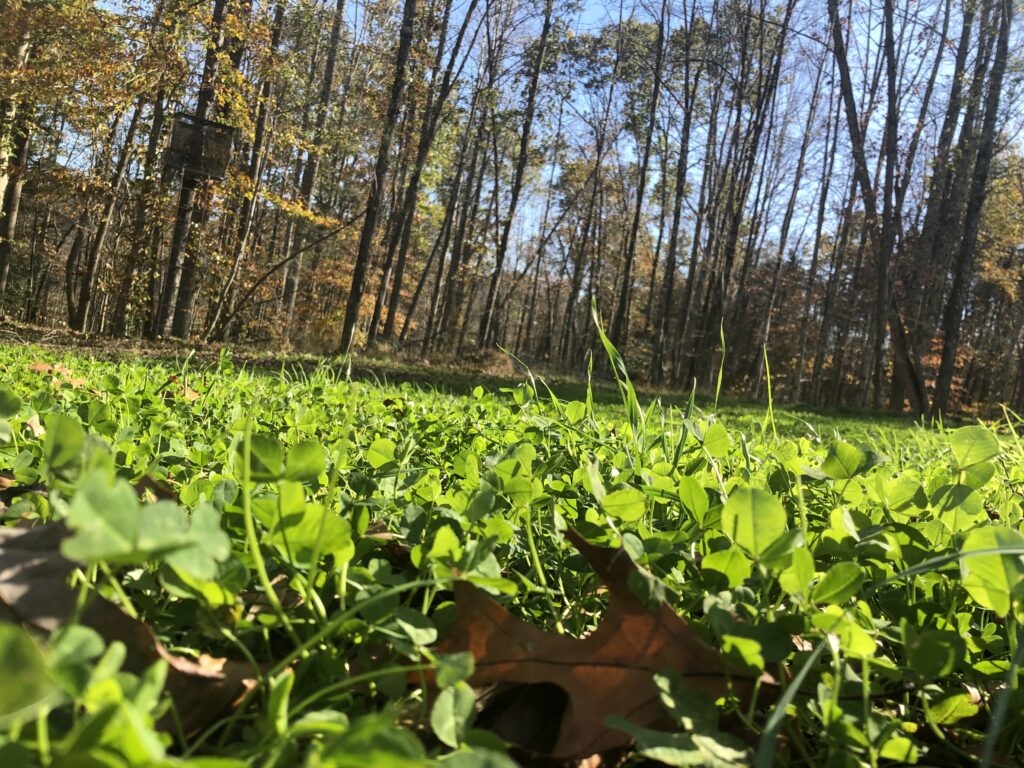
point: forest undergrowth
(213, 565)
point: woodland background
(834, 187)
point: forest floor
(495, 371)
(240, 565)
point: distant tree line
(830, 187)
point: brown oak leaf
(609, 672)
(34, 593)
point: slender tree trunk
(685, 357)
(139, 253)
(78, 244)
(310, 170)
(766, 334)
(169, 320)
(742, 178)
(787, 221)
(85, 294)
(824, 185)
(484, 335)
(470, 207)
(887, 240)
(884, 239)
(377, 190)
(13, 60)
(11, 199)
(620, 323)
(444, 237)
(665, 311)
(952, 321)
(431, 120)
(580, 262)
(392, 233)
(254, 174)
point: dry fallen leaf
(158, 488)
(40, 367)
(178, 390)
(34, 593)
(59, 374)
(609, 672)
(802, 644)
(35, 426)
(9, 490)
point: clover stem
(535, 557)
(1002, 707)
(334, 624)
(398, 669)
(253, 541)
(315, 603)
(84, 580)
(126, 603)
(865, 687)
(343, 585)
(43, 736)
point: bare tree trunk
(831, 137)
(707, 179)
(453, 293)
(883, 240)
(431, 120)
(311, 168)
(766, 334)
(254, 172)
(952, 321)
(392, 231)
(742, 177)
(376, 197)
(139, 253)
(522, 160)
(665, 311)
(11, 199)
(85, 294)
(12, 61)
(887, 241)
(167, 316)
(584, 247)
(620, 323)
(787, 221)
(443, 239)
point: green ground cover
(851, 586)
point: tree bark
(85, 294)
(169, 319)
(522, 160)
(254, 174)
(665, 311)
(11, 200)
(953, 316)
(620, 323)
(381, 167)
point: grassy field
(219, 565)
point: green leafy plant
(868, 574)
